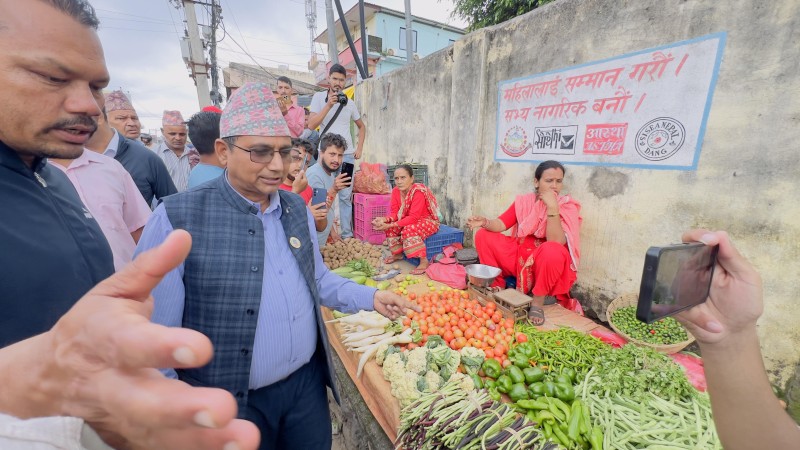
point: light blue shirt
(286, 331)
(318, 178)
(202, 173)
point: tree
(483, 13)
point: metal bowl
(481, 275)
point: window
(403, 39)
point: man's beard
(326, 166)
(71, 152)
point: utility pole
(216, 13)
(409, 34)
(197, 60)
(311, 22)
(332, 52)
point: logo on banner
(515, 143)
(605, 139)
(558, 140)
(660, 138)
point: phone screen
(675, 278)
(318, 196)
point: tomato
(423, 329)
(407, 322)
(492, 342)
(464, 294)
(448, 336)
(499, 349)
(497, 317)
(458, 333)
(522, 337)
(469, 333)
(412, 346)
(506, 363)
(489, 353)
(412, 296)
(461, 342)
(510, 323)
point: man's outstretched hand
(99, 363)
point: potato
(396, 266)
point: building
(386, 41)
(236, 74)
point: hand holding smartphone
(318, 196)
(675, 278)
(347, 169)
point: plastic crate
(368, 207)
(420, 173)
(436, 243)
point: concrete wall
(442, 111)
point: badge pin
(294, 242)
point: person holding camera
(333, 111)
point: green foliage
(483, 13)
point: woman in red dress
(413, 216)
(543, 248)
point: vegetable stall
(461, 375)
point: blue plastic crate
(436, 243)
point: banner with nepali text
(646, 109)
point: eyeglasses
(262, 155)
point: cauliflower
(472, 358)
(445, 361)
(464, 382)
(393, 366)
(404, 388)
(431, 382)
(418, 361)
(380, 354)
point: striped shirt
(179, 166)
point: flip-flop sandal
(390, 260)
(536, 316)
(418, 271)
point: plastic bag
(453, 275)
(371, 179)
(693, 366)
(609, 337)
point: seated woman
(544, 246)
(413, 216)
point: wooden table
(377, 391)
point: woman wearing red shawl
(543, 249)
(414, 215)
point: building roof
(236, 74)
(352, 18)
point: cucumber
(383, 285)
(360, 279)
(357, 274)
(342, 270)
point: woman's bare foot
(421, 268)
(392, 258)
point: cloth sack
(371, 179)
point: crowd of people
(169, 298)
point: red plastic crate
(368, 207)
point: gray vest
(228, 244)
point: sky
(141, 40)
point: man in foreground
(95, 359)
(268, 280)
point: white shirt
(111, 148)
(48, 433)
(342, 124)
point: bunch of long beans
(456, 419)
(650, 421)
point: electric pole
(197, 60)
(216, 13)
(409, 34)
(332, 52)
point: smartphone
(318, 196)
(348, 168)
(675, 277)
(305, 161)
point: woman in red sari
(543, 249)
(413, 216)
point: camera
(341, 98)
